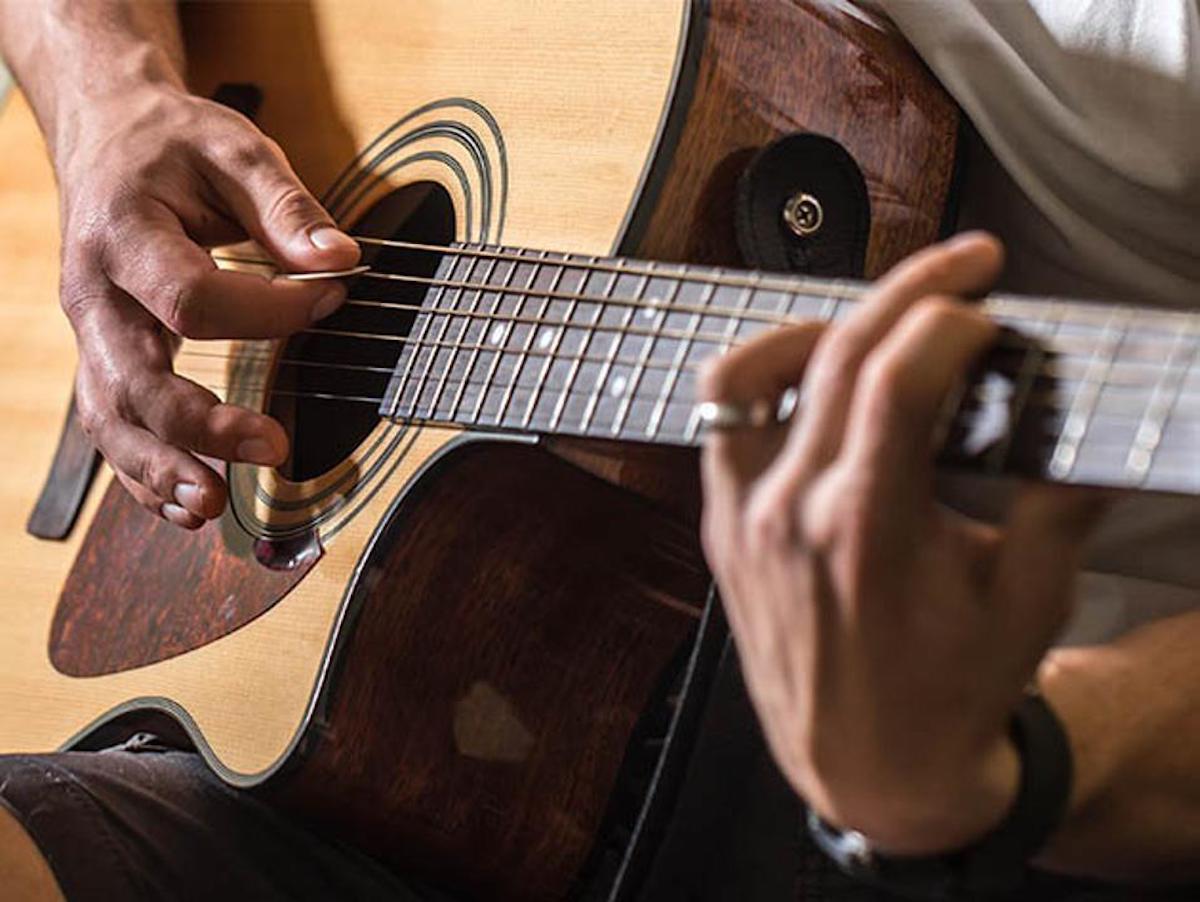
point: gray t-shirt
(1089, 170)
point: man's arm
(150, 175)
(1132, 711)
(70, 56)
(886, 641)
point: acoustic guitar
(457, 625)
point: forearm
(1132, 711)
(69, 54)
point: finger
(1040, 554)
(179, 283)
(184, 414)
(760, 370)
(899, 405)
(125, 374)
(271, 203)
(963, 266)
(165, 480)
(169, 511)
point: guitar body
(444, 646)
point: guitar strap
(733, 829)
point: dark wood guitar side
(477, 722)
(766, 70)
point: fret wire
(476, 349)
(1053, 316)
(829, 308)
(590, 331)
(785, 304)
(644, 355)
(671, 379)
(551, 353)
(482, 345)
(1031, 365)
(585, 420)
(451, 355)
(402, 383)
(1056, 317)
(728, 338)
(786, 301)
(445, 327)
(524, 352)
(1157, 415)
(1075, 428)
(476, 297)
(504, 335)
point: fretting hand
(149, 177)
(885, 640)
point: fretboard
(544, 343)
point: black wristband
(997, 863)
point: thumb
(271, 203)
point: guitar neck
(534, 342)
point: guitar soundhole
(328, 387)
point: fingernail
(256, 451)
(965, 238)
(328, 303)
(177, 515)
(327, 238)
(189, 495)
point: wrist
(73, 66)
(996, 863)
(951, 807)
(95, 110)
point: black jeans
(142, 822)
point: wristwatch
(995, 865)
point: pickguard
(142, 590)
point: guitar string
(484, 385)
(793, 284)
(799, 287)
(1167, 457)
(1062, 343)
(581, 392)
(457, 346)
(1036, 402)
(648, 305)
(563, 264)
(1050, 368)
(1005, 339)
